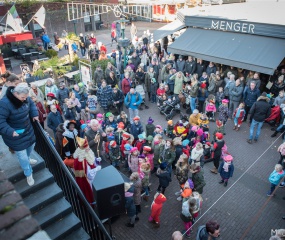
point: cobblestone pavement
(236, 210)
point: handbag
(269, 85)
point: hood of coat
(160, 199)
(262, 98)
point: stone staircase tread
(52, 212)
(63, 227)
(42, 178)
(78, 234)
(43, 197)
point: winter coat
(157, 149)
(190, 67)
(136, 61)
(147, 81)
(39, 96)
(168, 155)
(41, 111)
(196, 155)
(129, 202)
(62, 94)
(112, 81)
(153, 88)
(178, 83)
(72, 113)
(200, 68)
(137, 191)
(228, 88)
(53, 120)
(212, 87)
(114, 153)
(193, 92)
(210, 70)
(130, 99)
(119, 96)
(136, 130)
(236, 93)
(275, 177)
(126, 85)
(164, 74)
(149, 129)
(178, 151)
(219, 97)
(202, 234)
(58, 139)
(276, 88)
(50, 89)
(223, 113)
(198, 180)
(133, 162)
(193, 119)
(250, 96)
(164, 177)
(98, 76)
(104, 96)
(16, 115)
(217, 148)
(180, 65)
(226, 175)
(278, 101)
(156, 207)
(182, 174)
(96, 147)
(145, 180)
(261, 109)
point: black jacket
(200, 68)
(190, 67)
(261, 109)
(119, 96)
(164, 178)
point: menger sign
(233, 26)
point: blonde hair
(134, 176)
(278, 168)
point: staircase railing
(81, 208)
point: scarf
(70, 134)
(15, 101)
(238, 112)
(226, 166)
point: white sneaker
(33, 161)
(178, 193)
(179, 199)
(30, 180)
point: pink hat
(134, 149)
(200, 132)
(99, 115)
(158, 126)
(225, 101)
(228, 158)
(194, 128)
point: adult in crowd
(250, 96)
(82, 44)
(178, 78)
(98, 76)
(104, 96)
(278, 86)
(46, 40)
(210, 231)
(117, 99)
(165, 71)
(50, 88)
(95, 137)
(37, 93)
(132, 101)
(133, 31)
(140, 75)
(180, 64)
(62, 93)
(126, 83)
(200, 67)
(280, 99)
(190, 66)
(232, 70)
(235, 95)
(17, 112)
(193, 92)
(54, 118)
(212, 84)
(150, 74)
(41, 111)
(194, 117)
(136, 60)
(112, 80)
(11, 80)
(211, 68)
(229, 85)
(259, 111)
(256, 80)
(109, 68)
(80, 93)
(177, 235)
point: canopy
(167, 29)
(252, 52)
(15, 37)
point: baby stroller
(140, 89)
(171, 108)
(26, 72)
(274, 117)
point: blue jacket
(15, 115)
(250, 96)
(104, 96)
(45, 38)
(275, 177)
(201, 97)
(53, 120)
(130, 99)
(62, 94)
(226, 175)
(136, 130)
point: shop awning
(15, 37)
(168, 29)
(252, 52)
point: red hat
(113, 143)
(219, 123)
(228, 158)
(203, 85)
(147, 148)
(134, 149)
(225, 101)
(50, 95)
(208, 143)
(121, 125)
(126, 135)
(136, 118)
(219, 135)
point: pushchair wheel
(161, 112)
(184, 105)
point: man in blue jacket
(132, 101)
(17, 110)
(250, 96)
(54, 119)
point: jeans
(83, 51)
(192, 103)
(153, 98)
(272, 188)
(24, 160)
(247, 109)
(133, 113)
(146, 191)
(280, 128)
(232, 107)
(252, 126)
(161, 189)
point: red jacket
(126, 85)
(139, 145)
(160, 92)
(156, 207)
(42, 112)
(122, 147)
(103, 49)
(93, 40)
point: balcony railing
(81, 208)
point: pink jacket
(211, 108)
(133, 163)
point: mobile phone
(20, 131)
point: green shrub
(50, 53)
(102, 63)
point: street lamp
(74, 25)
(123, 42)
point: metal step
(79, 234)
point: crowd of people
(211, 92)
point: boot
(237, 129)
(130, 225)
(156, 225)
(145, 198)
(222, 181)
(226, 183)
(146, 107)
(214, 170)
(274, 134)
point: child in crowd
(145, 175)
(153, 90)
(135, 179)
(160, 91)
(164, 177)
(99, 118)
(91, 103)
(169, 129)
(226, 169)
(115, 154)
(275, 178)
(198, 178)
(219, 97)
(211, 110)
(239, 114)
(133, 160)
(207, 151)
(129, 204)
(187, 190)
(196, 154)
(149, 155)
(141, 141)
(126, 152)
(150, 127)
(158, 130)
(156, 208)
(224, 111)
